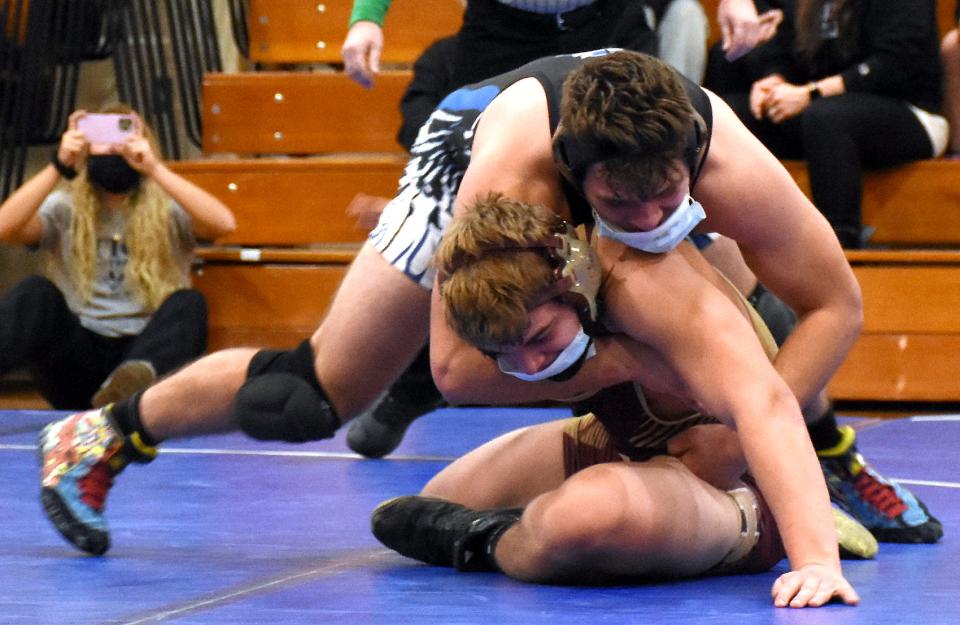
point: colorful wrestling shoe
(379, 430)
(79, 457)
(856, 542)
(129, 377)
(891, 512)
(440, 532)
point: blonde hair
(491, 273)
(152, 272)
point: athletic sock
(126, 415)
(825, 432)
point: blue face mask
(664, 237)
(581, 345)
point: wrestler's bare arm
(750, 197)
(712, 346)
(511, 151)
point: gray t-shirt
(112, 309)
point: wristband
(814, 90)
(68, 173)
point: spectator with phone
(115, 309)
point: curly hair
(634, 108)
(152, 271)
(492, 271)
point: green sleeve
(369, 11)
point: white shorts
(412, 224)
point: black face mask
(111, 173)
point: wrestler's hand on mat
(361, 52)
(812, 585)
(712, 452)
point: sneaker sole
(77, 534)
(94, 542)
(925, 534)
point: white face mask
(664, 237)
(570, 355)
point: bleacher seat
(301, 31)
(909, 349)
(300, 113)
(294, 201)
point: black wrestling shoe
(379, 430)
(442, 533)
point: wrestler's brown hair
(489, 275)
(632, 107)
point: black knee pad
(282, 407)
(779, 318)
(282, 399)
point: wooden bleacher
(909, 349)
(286, 202)
(269, 283)
(917, 204)
(301, 113)
(301, 31)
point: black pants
(840, 137)
(495, 38)
(70, 362)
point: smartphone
(106, 128)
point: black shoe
(442, 533)
(379, 431)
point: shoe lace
(879, 495)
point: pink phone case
(106, 128)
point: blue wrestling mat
(222, 530)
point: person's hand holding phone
(73, 144)
(137, 151)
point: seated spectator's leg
(38, 330)
(844, 134)
(683, 31)
(950, 52)
(175, 334)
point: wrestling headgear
(577, 282)
(577, 272)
